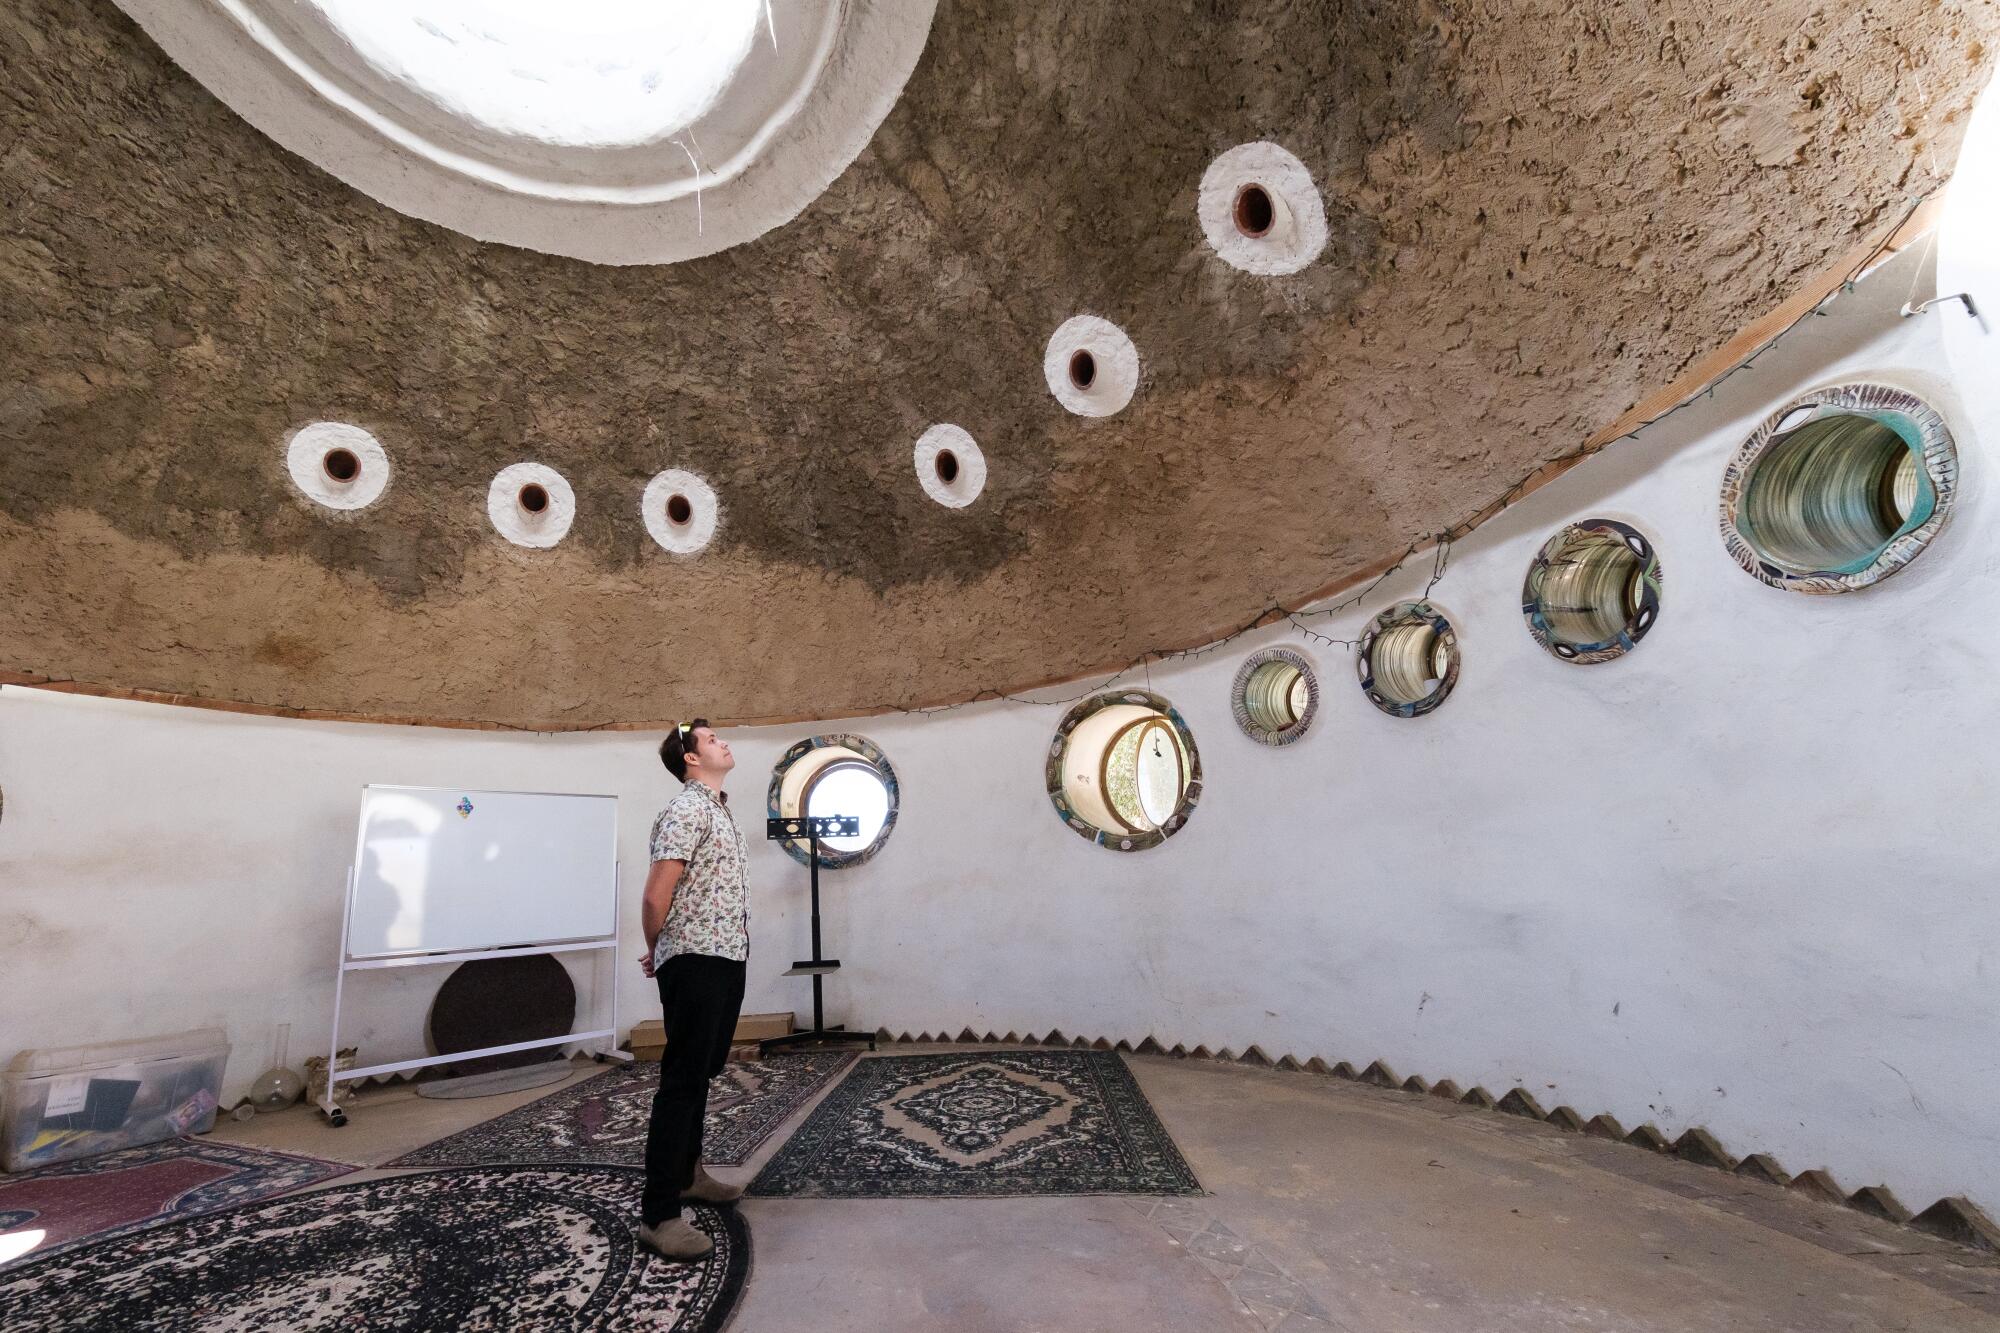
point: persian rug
(603, 1119)
(117, 1191)
(981, 1123)
(501, 1248)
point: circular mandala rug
(473, 1248)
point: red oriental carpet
(120, 1191)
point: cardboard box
(756, 1027)
(649, 1038)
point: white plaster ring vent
(1123, 771)
(1261, 211)
(1839, 489)
(680, 511)
(1592, 591)
(337, 465)
(950, 466)
(531, 505)
(1091, 366)
(1408, 659)
(1275, 696)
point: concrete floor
(1332, 1206)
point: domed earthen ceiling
(1538, 212)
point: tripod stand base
(815, 1037)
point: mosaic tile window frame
(831, 858)
(1919, 425)
(1239, 691)
(1052, 771)
(1638, 623)
(1397, 616)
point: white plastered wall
(1741, 878)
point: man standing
(697, 921)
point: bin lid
(60, 1059)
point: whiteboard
(441, 869)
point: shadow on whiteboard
(441, 869)
(395, 847)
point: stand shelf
(816, 967)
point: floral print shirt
(711, 908)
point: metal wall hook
(1919, 307)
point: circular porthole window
(1123, 771)
(1408, 659)
(1593, 591)
(837, 774)
(1839, 489)
(1275, 696)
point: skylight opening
(587, 74)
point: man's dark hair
(674, 749)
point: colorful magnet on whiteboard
(464, 807)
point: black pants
(702, 997)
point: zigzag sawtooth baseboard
(1955, 1217)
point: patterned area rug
(115, 1192)
(479, 1248)
(981, 1123)
(603, 1119)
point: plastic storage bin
(78, 1101)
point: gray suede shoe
(676, 1238)
(707, 1189)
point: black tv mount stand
(812, 828)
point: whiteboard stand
(609, 1036)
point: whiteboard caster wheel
(338, 1119)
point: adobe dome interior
(1352, 636)
(1539, 212)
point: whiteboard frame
(375, 962)
(420, 954)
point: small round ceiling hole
(341, 464)
(1255, 213)
(1260, 211)
(680, 511)
(531, 505)
(1082, 368)
(337, 465)
(1091, 366)
(949, 465)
